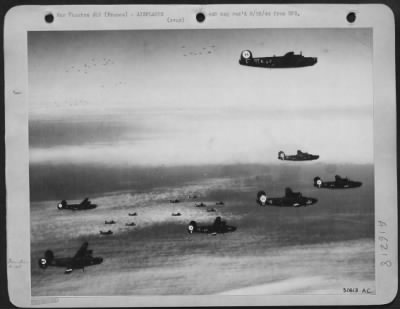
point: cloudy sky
(180, 97)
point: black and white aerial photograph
(199, 162)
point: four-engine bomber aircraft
(291, 199)
(339, 183)
(81, 259)
(109, 232)
(299, 156)
(218, 227)
(84, 205)
(289, 60)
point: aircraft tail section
(85, 201)
(281, 155)
(62, 204)
(246, 55)
(45, 261)
(317, 182)
(192, 227)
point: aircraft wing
(82, 251)
(85, 201)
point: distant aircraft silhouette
(218, 227)
(299, 156)
(84, 205)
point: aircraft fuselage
(290, 60)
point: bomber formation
(296, 199)
(290, 199)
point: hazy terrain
(319, 249)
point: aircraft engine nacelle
(246, 54)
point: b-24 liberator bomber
(84, 205)
(291, 199)
(80, 260)
(289, 60)
(200, 205)
(109, 232)
(174, 201)
(218, 227)
(299, 156)
(109, 222)
(338, 183)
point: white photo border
(22, 19)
